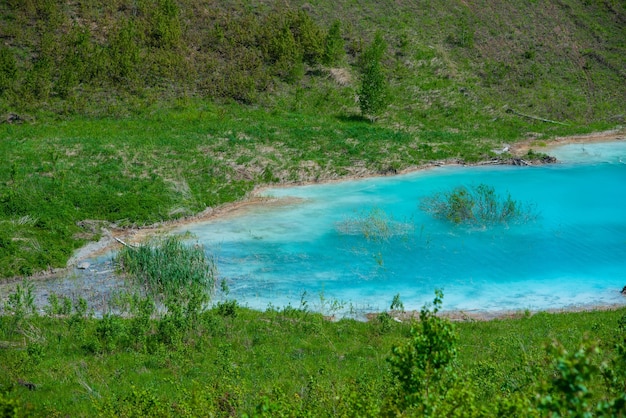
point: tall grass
(231, 361)
(168, 267)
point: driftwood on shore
(124, 244)
(540, 160)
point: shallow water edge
(97, 281)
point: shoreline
(110, 233)
(517, 150)
(135, 235)
(475, 315)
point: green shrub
(111, 331)
(124, 52)
(309, 36)
(478, 205)
(76, 61)
(334, 48)
(9, 408)
(8, 69)
(422, 365)
(165, 30)
(20, 305)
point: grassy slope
(296, 359)
(159, 140)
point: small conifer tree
(373, 94)
(334, 45)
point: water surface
(572, 254)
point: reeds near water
(168, 266)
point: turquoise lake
(573, 254)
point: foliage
(106, 101)
(375, 225)
(477, 205)
(373, 93)
(168, 267)
(568, 394)
(8, 69)
(20, 304)
(421, 366)
(293, 362)
(9, 408)
(334, 45)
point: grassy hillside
(561, 59)
(136, 111)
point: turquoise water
(572, 254)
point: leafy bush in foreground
(479, 205)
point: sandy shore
(521, 148)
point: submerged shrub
(479, 205)
(375, 225)
(168, 267)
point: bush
(9, 408)
(165, 30)
(124, 52)
(422, 365)
(376, 226)
(8, 69)
(479, 205)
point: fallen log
(509, 110)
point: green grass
(137, 112)
(230, 361)
(167, 163)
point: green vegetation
(124, 113)
(168, 267)
(131, 112)
(476, 205)
(375, 225)
(230, 361)
(373, 94)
